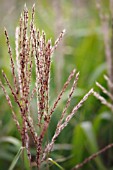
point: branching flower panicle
(32, 47)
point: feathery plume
(32, 47)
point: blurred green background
(82, 48)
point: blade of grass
(16, 159)
(11, 140)
(55, 163)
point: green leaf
(11, 140)
(14, 162)
(83, 133)
(97, 72)
(5, 155)
(102, 119)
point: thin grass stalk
(108, 81)
(47, 120)
(69, 100)
(12, 91)
(104, 90)
(10, 105)
(11, 60)
(58, 40)
(105, 29)
(22, 111)
(49, 147)
(93, 156)
(103, 100)
(108, 44)
(62, 92)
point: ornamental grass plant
(34, 50)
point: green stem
(60, 167)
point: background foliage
(83, 49)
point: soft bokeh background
(82, 48)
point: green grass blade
(11, 140)
(16, 159)
(85, 132)
(55, 163)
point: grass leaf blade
(16, 159)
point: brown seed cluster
(32, 47)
